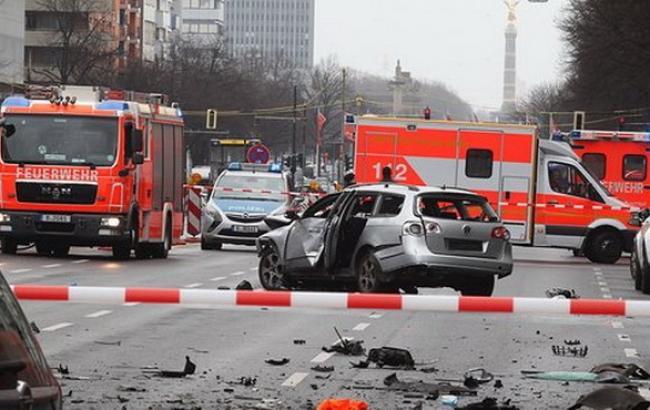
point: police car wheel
(9, 246)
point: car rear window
(456, 207)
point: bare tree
(544, 98)
(83, 42)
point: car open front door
(306, 238)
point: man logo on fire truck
(540, 188)
(91, 167)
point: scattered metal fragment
(323, 369)
(277, 362)
(498, 384)
(390, 356)
(628, 370)
(574, 342)
(570, 351)
(479, 374)
(428, 370)
(244, 285)
(562, 293)
(323, 376)
(195, 350)
(561, 376)
(63, 370)
(190, 368)
(299, 342)
(393, 383)
(314, 386)
(105, 343)
(248, 381)
(34, 327)
(614, 398)
(489, 403)
(346, 346)
(131, 389)
(449, 400)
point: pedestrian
(387, 174)
(349, 179)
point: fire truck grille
(82, 194)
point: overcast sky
(457, 42)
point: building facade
(274, 30)
(203, 21)
(12, 40)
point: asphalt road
(111, 348)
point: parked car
(232, 215)
(26, 381)
(639, 263)
(381, 237)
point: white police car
(243, 195)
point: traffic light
(621, 123)
(211, 119)
(349, 162)
(427, 113)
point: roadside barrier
(194, 210)
(332, 300)
(565, 206)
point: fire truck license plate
(245, 229)
(56, 218)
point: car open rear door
(333, 234)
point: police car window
(567, 179)
(390, 205)
(596, 164)
(634, 167)
(478, 163)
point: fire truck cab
(91, 167)
(619, 159)
(540, 188)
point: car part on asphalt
(189, 368)
(244, 285)
(479, 374)
(498, 384)
(628, 370)
(277, 362)
(561, 376)
(248, 381)
(562, 293)
(393, 383)
(346, 346)
(299, 341)
(614, 398)
(449, 400)
(570, 351)
(489, 403)
(388, 356)
(322, 368)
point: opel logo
(467, 230)
(245, 216)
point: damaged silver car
(383, 237)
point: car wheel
(161, 250)
(43, 249)
(61, 251)
(368, 274)
(644, 279)
(9, 246)
(604, 247)
(205, 246)
(270, 270)
(577, 252)
(478, 286)
(635, 270)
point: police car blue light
(275, 167)
(113, 105)
(235, 166)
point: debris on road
(322, 368)
(248, 381)
(346, 346)
(614, 398)
(628, 370)
(388, 356)
(63, 370)
(107, 343)
(479, 374)
(299, 342)
(570, 351)
(244, 285)
(572, 342)
(34, 327)
(190, 368)
(449, 400)
(393, 383)
(131, 389)
(489, 403)
(277, 362)
(562, 293)
(498, 384)
(561, 376)
(343, 404)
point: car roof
(253, 174)
(402, 188)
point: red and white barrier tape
(267, 192)
(567, 206)
(326, 300)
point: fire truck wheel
(142, 251)
(477, 286)
(61, 251)
(122, 250)
(604, 246)
(161, 250)
(9, 246)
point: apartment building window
(201, 4)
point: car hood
(251, 206)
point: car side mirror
(291, 214)
(10, 130)
(137, 140)
(138, 158)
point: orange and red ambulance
(618, 158)
(540, 188)
(91, 167)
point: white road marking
(20, 270)
(218, 278)
(631, 353)
(81, 261)
(129, 304)
(295, 379)
(375, 315)
(99, 313)
(53, 265)
(361, 327)
(617, 325)
(624, 338)
(604, 289)
(602, 284)
(596, 268)
(193, 285)
(322, 357)
(56, 327)
(241, 272)
(255, 268)
(607, 296)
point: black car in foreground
(26, 380)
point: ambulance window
(634, 167)
(596, 164)
(478, 163)
(567, 179)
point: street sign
(258, 154)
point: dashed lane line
(99, 313)
(20, 270)
(617, 325)
(295, 379)
(53, 265)
(56, 327)
(375, 315)
(193, 285)
(241, 272)
(607, 296)
(322, 357)
(218, 278)
(631, 353)
(130, 304)
(254, 268)
(624, 338)
(361, 327)
(77, 262)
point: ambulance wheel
(604, 246)
(478, 286)
(60, 251)
(9, 246)
(635, 270)
(43, 249)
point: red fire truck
(543, 193)
(618, 159)
(91, 167)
